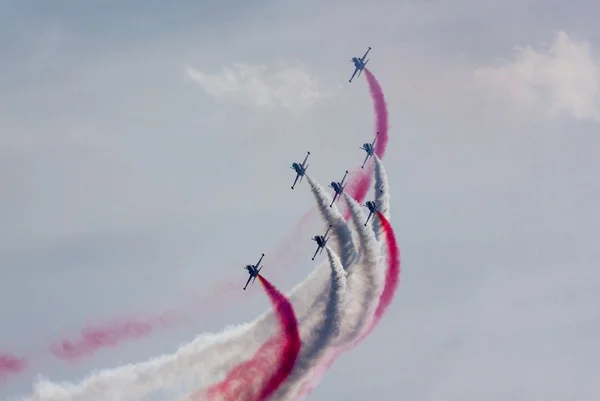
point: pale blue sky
(125, 182)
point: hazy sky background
(145, 151)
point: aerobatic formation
(283, 354)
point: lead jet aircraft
(321, 241)
(300, 169)
(338, 187)
(253, 270)
(370, 149)
(359, 64)
(372, 206)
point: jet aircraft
(372, 206)
(370, 149)
(338, 187)
(359, 64)
(300, 169)
(321, 241)
(253, 270)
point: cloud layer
(291, 88)
(561, 80)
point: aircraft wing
(342, 182)
(296, 180)
(352, 77)
(366, 158)
(370, 213)
(374, 139)
(365, 56)
(305, 159)
(259, 260)
(247, 282)
(334, 198)
(315, 255)
(325, 236)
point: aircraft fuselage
(337, 187)
(252, 270)
(298, 168)
(357, 63)
(368, 148)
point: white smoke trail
(133, 381)
(366, 283)
(208, 357)
(316, 342)
(205, 360)
(382, 196)
(341, 230)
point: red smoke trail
(381, 113)
(258, 378)
(94, 338)
(392, 278)
(392, 275)
(360, 183)
(289, 324)
(11, 365)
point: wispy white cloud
(561, 80)
(291, 88)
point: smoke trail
(313, 285)
(341, 230)
(392, 277)
(206, 357)
(272, 364)
(11, 365)
(381, 182)
(359, 187)
(370, 277)
(382, 198)
(135, 381)
(346, 243)
(94, 338)
(184, 370)
(289, 324)
(381, 113)
(366, 236)
(318, 340)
